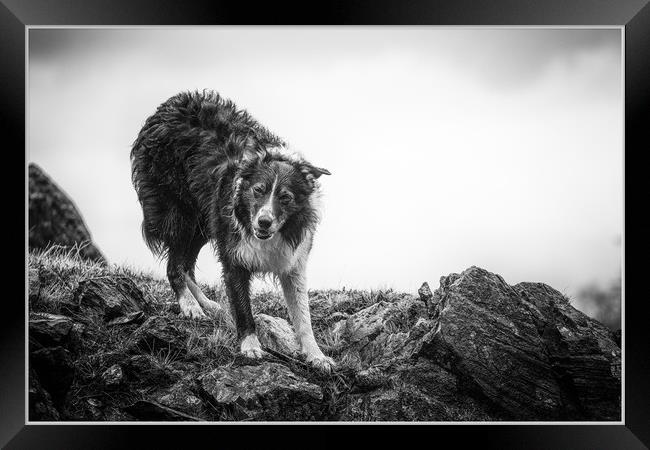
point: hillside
(107, 343)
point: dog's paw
(192, 310)
(250, 347)
(322, 363)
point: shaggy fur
(205, 171)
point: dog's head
(274, 194)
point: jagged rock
(425, 293)
(50, 329)
(55, 370)
(268, 391)
(158, 334)
(367, 323)
(616, 337)
(585, 359)
(41, 406)
(276, 334)
(112, 376)
(54, 219)
(524, 348)
(110, 297)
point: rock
(616, 337)
(369, 379)
(146, 369)
(425, 293)
(182, 397)
(268, 391)
(110, 297)
(583, 356)
(153, 411)
(367, 323)
(381, 331)
(54, 219)
(112, 376)
(136, 317)
(158, 334)
(41, 406)
(55, 370)
(276, 334)
(523, 348)
(50, 329)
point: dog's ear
(311, 171)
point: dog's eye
(259, 189)
(285, 199)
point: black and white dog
(205, 171)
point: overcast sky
(448, 147)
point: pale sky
(448, 147)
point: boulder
(54, 219)
(268, 391)
(110, 298)
(276, 334)
(523, 348)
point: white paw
(251, 348)
(192, 310)
(321, 362)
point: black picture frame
(634, 15)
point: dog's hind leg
(192, 253)
(237, 280)
(177, 275)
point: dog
(206, 171)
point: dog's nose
(265, 222)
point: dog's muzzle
(264, 228)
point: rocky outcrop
(517, 352)
(476, 349)
(54, 219)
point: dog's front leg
(294, 286)
(237, 280)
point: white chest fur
(271, 256)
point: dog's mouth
(263, 235)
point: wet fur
(193, 164)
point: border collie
(205, 171)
